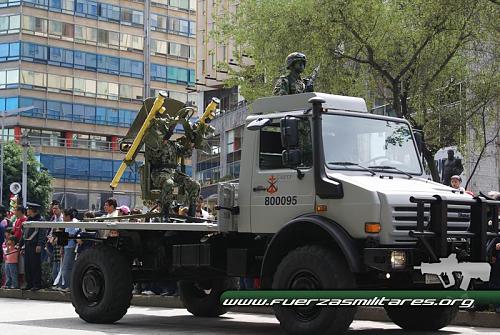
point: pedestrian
(49, 251)
(2, 238)
(456, 180)
(200, 212)
(52, 248)
(110, 206)
(123, 210)
(56, 211)
(495, 264)
(495, 271)
(183, 211)
(3, 217)
(33, 241)
(6, 234)
(136, 211)
(21, 218)
(11, 261)
(56, 257)
(82, 245)
(68, 258)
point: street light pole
(25, 144)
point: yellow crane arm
(209, 111)
(129, 157)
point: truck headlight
(398, 259)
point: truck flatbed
(120, 225)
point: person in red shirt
(18, 225)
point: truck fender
(304, 230)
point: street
(43, 317)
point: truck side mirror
(291, 158)
(125, 146)
(289, 132)
(419, 140)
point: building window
(9, 78)
(34, 25)
(9, 24)
(9, 51)
(83, 168)
(7, 104)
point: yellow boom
(129, 157)
(210, 110)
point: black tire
(201, 298)
(101, 285)
(423, 318)
(313, 268)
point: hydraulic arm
(136, 144)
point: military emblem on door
(272, 188)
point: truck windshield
(377, 144)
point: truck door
(277, 194)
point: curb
(463, 318)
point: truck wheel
(201, 298)
(422, 318)
(101, 285)
(313, 268)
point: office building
(73, 75)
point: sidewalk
(464, 318)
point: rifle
(312, 79)
(447, 266)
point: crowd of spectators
(33, 259)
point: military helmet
(293, 57)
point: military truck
(329, 197)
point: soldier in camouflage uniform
(164, 154)
(293, 83)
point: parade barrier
(463, 318)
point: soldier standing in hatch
(163, 156)
(293, 83)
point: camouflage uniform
(163, 156)
(293, 83)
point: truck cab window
(271, 151)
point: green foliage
(39, 181)
(418, 55)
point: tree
(411, 53)
(39, 180)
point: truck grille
(405, 219)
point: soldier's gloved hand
(38, 249)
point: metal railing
(88, 144)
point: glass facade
(27, 79)
(97, 62)
(84, 200)
(173, 25)
(172, 49)
(171, 74)
(208, 162)
(84, 168)
(59, 110)
(81, 34)
(93, 50)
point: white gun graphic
(448, 265)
